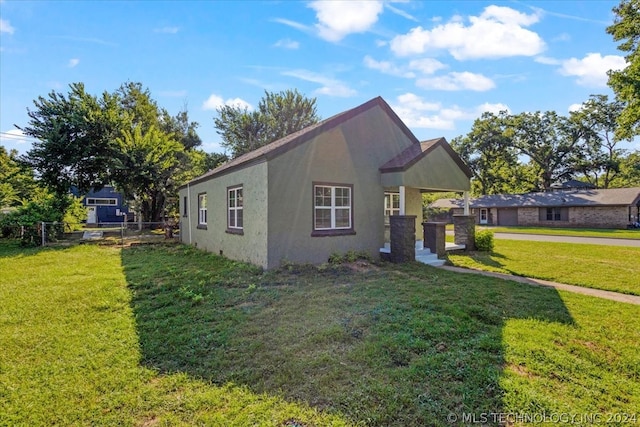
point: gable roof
(415, 152)
(609, 197)
(295, 139)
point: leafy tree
(629, 174)
(144, 169)
(17, 182)
(73, 134)
(550, 141)
(122, 138)
(489, 152)
(599, 161)
(626, 82)
(278, 115)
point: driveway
(569, 239)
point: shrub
(484, 241)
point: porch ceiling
(430, 165)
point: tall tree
(629, 175)
(599, 160)
(549, 141)
(489, 152)
(278, 115)
(72, 140)
(626, 82)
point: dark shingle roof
(283, 145)
(412, 154)
(609, 197)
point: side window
(202, 209)
(235, 209)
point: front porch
(422, 254)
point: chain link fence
(48, 233)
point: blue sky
(439, 64)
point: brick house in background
(611, 208)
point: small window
(202, 209)
(94, 201)
(391, 204)
(332, 208)
(185, 209)
(235, 204)
(554, 214)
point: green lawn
(168, 335)
(612, 268)
(579, 232)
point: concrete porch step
(426, 257)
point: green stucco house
(327, 188)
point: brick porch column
(434, 237)
(464, 229)
(403, 238)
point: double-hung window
(332, 208)
(235, 207)
(202, 209)
(391, 204)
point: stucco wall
(252, 245)
(349, 154)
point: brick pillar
(464, 229)
(403, 238)
(434, 237)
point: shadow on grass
(398, 345)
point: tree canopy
(626, 82)
(278, 115)
(530, 151)
(121, 138)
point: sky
(439, 64)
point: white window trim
(333, 208)
(389, 210)
(202, 210)
(101, 201)
(233, 210)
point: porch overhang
(431, 165)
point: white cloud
(426, 65)
(592, 69)
(287, 44)
(547, 60)
(387, 67)
(339, 18)
(330, 86)
(293, 24)
(73, 62)
(13, 137)
(215, 101)
(415, 112)
(5, 27)
(401, 12)
(167, 30)
(575, 107)
(457, 81)
(497, 33)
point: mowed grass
(169, 335)
(612, 268)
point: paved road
(569, 239)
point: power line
(7, 135)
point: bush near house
(484, 240)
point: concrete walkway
(614, 296)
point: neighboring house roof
(572, 184)
(609, 197)
(289, 142)
(415, 152)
